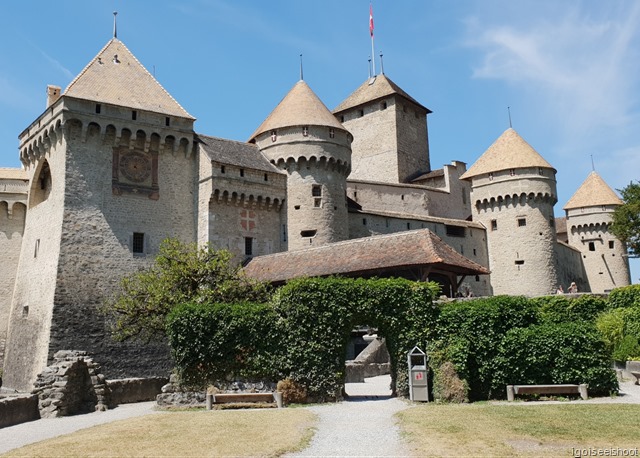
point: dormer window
(305, 131)
(274, 136)
(512, 172)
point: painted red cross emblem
(247, 220)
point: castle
(114, 165)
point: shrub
(447, 385)
(292, 392)
(554, 353)
(559, 309)
(213, 342)
(472, 330)
(627, 349)
(626, 296)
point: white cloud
(578, 62)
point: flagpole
(371, 33)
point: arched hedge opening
(302, 334)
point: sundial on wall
(135, 166)
(135, 172)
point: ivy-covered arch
(303, 332)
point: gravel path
(361, 426)
(35, 431)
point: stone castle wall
(413, 141)
(570, 268)
(91, 216)
(374, 156)
(12, 217)
(245, 207)
(451, 201)
(31, 308)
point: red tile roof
(368, 255)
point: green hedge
(211, 342)
(319, 314)
(303, 333)
(469, 332)
(554, 353)
(626, 296)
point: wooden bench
(512, 390)
(232, 398)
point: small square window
(317, 202)
(248, 246)
(522, 222)
(364, 221)
(134, 115)
(342, 118)
(494, 225)
(138, 242)
(98, 108)
(520, 262)
(222, 169)
(167, 121)
(592, 246)
(360, 113)
(241, 172)
(316, 190)
(408, 226)
(611, 244)
(266, 177)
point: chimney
(53, 94)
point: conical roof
(593, 192)
(509, 151)
(300, 107)
(373, 89)
(116, 77)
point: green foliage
(626, 349)
(554, 353)
(626, 218)
(611, 327)
(470, 331)
(319, 314)
(559, 308)
(626, 296)
(211, 342)
(620, 331)
(180, 273)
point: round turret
(588, 219)
(304, 139)
(513, 190)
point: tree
(626, 218)
(180, 273)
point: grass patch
(270, 432)
(512, 430)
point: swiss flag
(371, 19)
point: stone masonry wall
(28, 335)
(96, 246)
(11, 229)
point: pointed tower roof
(593, 192)
(375, 88)
(116, 77)
(509, 151)
(300, 107)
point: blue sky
(569, 70)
